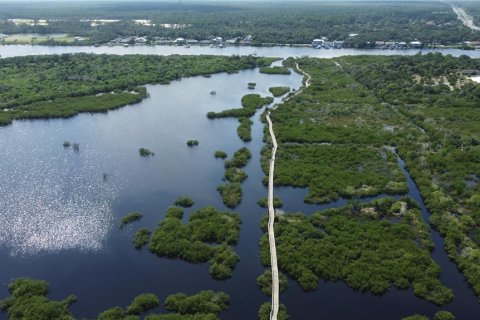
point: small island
(275, 70)
(185, 202)
(220, 154)
(130, 217)
(144, 152)
(192, 143)
(279, 91)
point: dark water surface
(60, 210)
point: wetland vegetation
(275, 70)
(279, 91)
(207, 237)
(231, 191)
(144, 152)
(130, 218)
(220, 154)
(62, 86)
(185, 202)
(371, 247)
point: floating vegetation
(264, 281)
(263, 202)
(252, 85)
(144, 152)
(141, 238)
(130, 217)
(185, 202)
(220, 154)
(66, 144)
(192, 143)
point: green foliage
(220, 154)
(279, 91)
(252, 85)
(415, 317)
(240, 158)
(28, 300)
(443, 315)
(144, 152)
(264, 281)
(275, 70)
(174, 212)
(244, 129)
(250, 104)
(130, 217)
(64, 85)
(263, 202)
(141, 238)
(270, 23)
(334, 171)
(193, 241)
(185, 202)
(192, 143)
(235, 175)
(142, 303)
(114, 313)
(362, 246)
(66, 144)
(231, 194)
(204, 302)
(265, 308)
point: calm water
(283, 52)
(60, 209)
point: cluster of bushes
(371, 247)
(220, 154)
(130, 217)
(144, 152)
(75, 146)
(440, 315)
(250, 104)
(231, 191)
(185, 202)
(28, 300)
(192, 143)
(204, 305)
(244, 129)
(193, 241)
(275, 70)
(64, 85)
(264, 281)
(141, 238)
(263, 202)
(252, 85)
(265, 308)
(279, 91)
(334, 171)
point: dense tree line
(64, 85)
(268, 22)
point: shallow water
(60, 209)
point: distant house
(352, 35)
(402, 44)
(192, 41)
(217, 40)
(179, 41)
(248, 38)
(231, 42)
(415, 44)
(205, 42)
(390, 44)
(317, 42)
(379, 44)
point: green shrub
(204, 302)
(265, 308)
(220, 154)
(231, 194)
(142, 303)
(144, 152)
(443, 315)
(185, 202)
(192, 143)
(275, 70)
(279, 91)
(264, 281)
(263, 202)
(141, 238)
(130, 217)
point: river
(61, 209)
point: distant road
(271, 209)
(465, 18)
